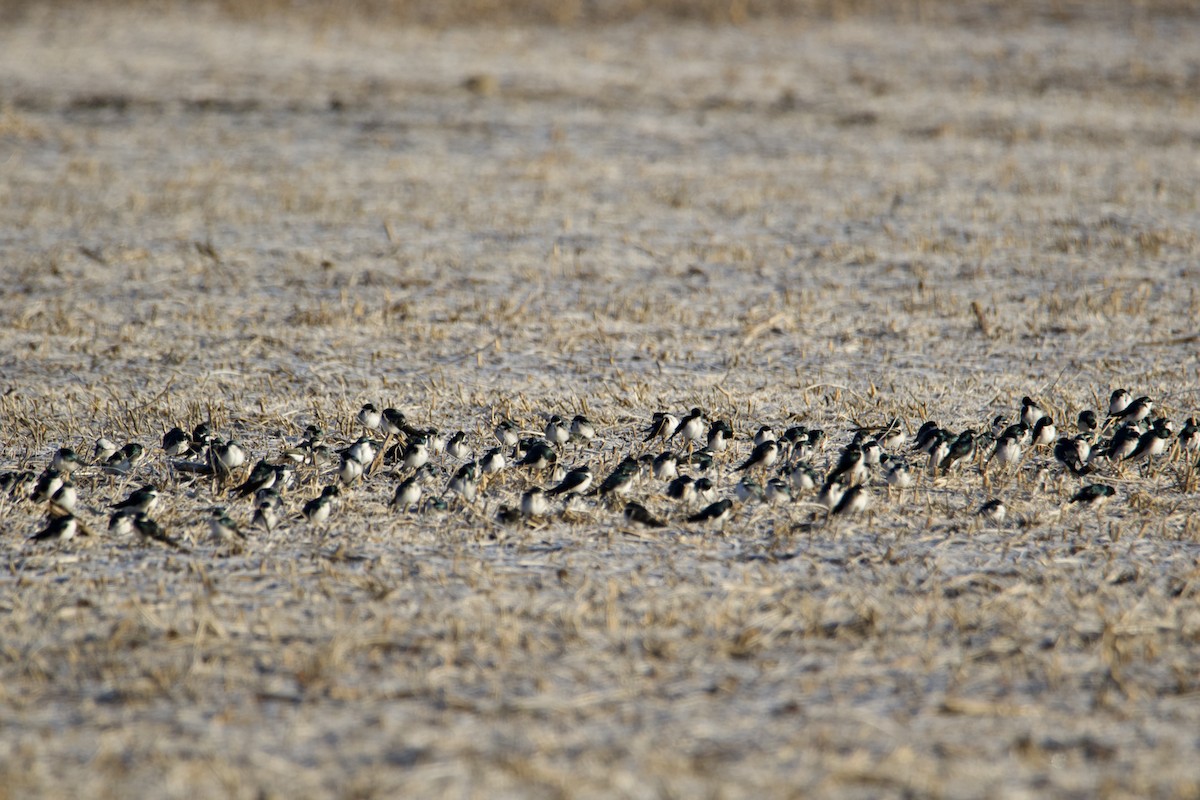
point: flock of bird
(694, 469)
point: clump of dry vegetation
(831, 218)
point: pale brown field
(831, 218)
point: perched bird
(620, 480)
(507, 433)
(705, 490)
(1093, 495)
(854, 500)
(491, 462)
(872, 453)
(993, 511)
(762, 457)
(49, 482)
(263, 476)
(701, 459)
(764, 434)
(362, 451)
(1118, 401)
(1136, 411)
(457, 447)
(557, 432)
(538, 456)
(126, 458)
(58, 529)
(225, 457)
(665, 466)
(534, 503)
(103, 449)
(175, 442)
(1031, 412)
(319, 509)
(748, 489)
(898, 475)
(144, 500)
(963, 447)
(682, 488)
(222, 528)
(149, 529)
(661, 426)
(370, 417)
(582, 429)
(65, 497)
(577, 481)
(778, 491)
(1189, 436)
(720, 434)
(924, 436)
(1006, 451)
(892, 436)
(416, 454)
(803, 477)
(350, 470)
(691, 427)
(266, 514)
(715, 512)
(408, 492)
(1123, 443)
(65, 460)
(850, 469)
(831, 493)
(120, 524)
(394, 423)
(1151, 443)
(1044, 431)
(464, 483)
(1086, 421)
(636, 512)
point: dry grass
(833, 221)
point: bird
(65, 460)
(636, 512)
(665, 466)
(394, 423)
(1189, 436)
(464, 483)
(620, 480)
(961, 448)
(850, 469)
(369, 416)
(507, 433)
(762, 457)
(854, 500)
(892, 435)
(49, 482)
(58, 529)
(534, 503)
(491, 462)
(1086, 421)
(175, 442)
(120, 524)
(102, 450)
(362, 451)
(225, 457)
(1118, 401)
(778, 491)
(661, 426)
(831, 493)
(993, 511)
(65, 497)
(1136, 411)
(147, 528)
(720, 434)
(416, 454)
(1123, 443)
(350, 470)
(457, 447)
(1151, 443)
(682, 488)
(1007, 450)
(1044, 431)
(557, 432)
(577, 481)
(538, 456)
(803, 477)
(319, 509)
(765, 433)
(144, 500)
(1093, 495)
(408, 492)
(126, 458)
(1031, 412)
(715, 512)
(263, 476)
(898, 475)
(749, 489)
(691, 427)
(222, 528)
(582, 428)
(266, 514)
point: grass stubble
(832, 222)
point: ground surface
(269, 225)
